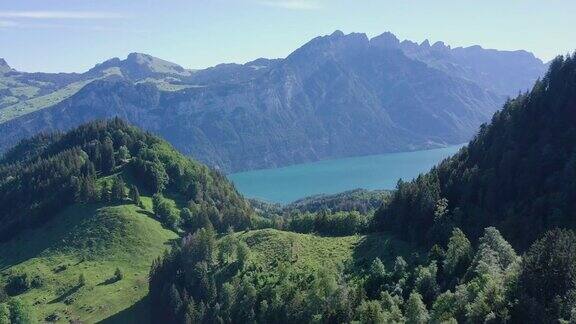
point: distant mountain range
(336, 96)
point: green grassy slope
(305, 252)
(91, 240)
(35, 103)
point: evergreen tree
(123, 154)
(135, 196)
(458, 254)
(105, 192)
(370, 312)
(243, 253)
(377, 276)
(118, 190)
(416, 312)
(5, 316)
(107, 153)
(118, 274)
(21, 312)
(547, 280)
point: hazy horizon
(199, 34)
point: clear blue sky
(72, 35)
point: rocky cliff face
(338, 95)
(502, 72)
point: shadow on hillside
(65, 295)
(108, 281)
(52, 235)
(380, 245)
(137, 313)
(146, 213)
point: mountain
(22, 93)
(4, 67)
(517, 174)
(338, 95)
(481, 66)
(77, 206)
(138, 66)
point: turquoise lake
(381, 171)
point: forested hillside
(518, 174)
(83, 214)
(42, 175)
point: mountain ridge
(337, 95)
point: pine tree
(118, 191)
(135, 196)
(416, 312)
(123, 154)
(118, 274)
(458, 253)
(107, 152)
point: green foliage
(360, 200)
(41, 176)
(165, 211)
(425, 282)
(490, 283)
(325, 222)
(371, 312)
(18, 284)
(416, 312)
(268, 276)
(377, 276)
(118, 190)
(92, 240)
(518, 174)
(547, 280)
(123, 153)
(118, 274)
(458, 254)
(4, 313)
(81, 280)
(17, 312)
(135, 195)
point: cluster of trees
(15, 311)
(218, 281)
(43, 175)
(184, 283)
(520, 169)
(360, 200)
(327, 223)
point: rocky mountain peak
(439, 45)
(4, 67)
(335, 42)
(139, 66)
(386, 40)
(337, 33)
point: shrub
(118, 274)
(81, 280)
(18, 284)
